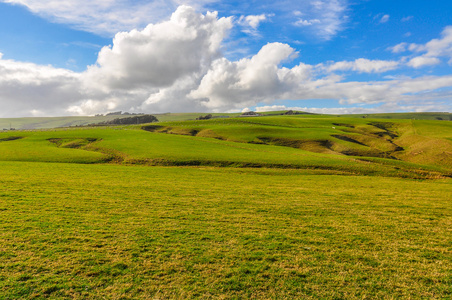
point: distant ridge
(30, 123)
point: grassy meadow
(274, 207)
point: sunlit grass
(93, 213)
(107, 231)
(132, 145)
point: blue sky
(78, 58)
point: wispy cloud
(382, 108)
(327, 17)
(302, 22)
(384, 19)
(107, 17)
(406, 19)
(432, 50)
(363, 65)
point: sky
(73, 57)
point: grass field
(276, 207)
(96, 231)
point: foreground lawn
(123, 232)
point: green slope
(389, 142)
(403, 148)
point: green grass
(407, 141)
(132, 145)
(274, 207)
(123, 232)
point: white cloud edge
(384, 19)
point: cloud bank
(177, 66)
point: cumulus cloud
(162, 53)
(421, 61)
(154, 69)
(27, 88)
(148, 69)
(259, 78)
(252, 21)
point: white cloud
(162, 53)
(433, 50)
(402, 47)
(302, 22)
(260, 78)
(252, 21)
(421, 61)
(363, 65)
(106, 17)
(384, 19)
(383, 108)
(27, 88)
(332, 17)
(406, 19)
(440, 47)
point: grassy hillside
(55, 122)
(274, 207)
(357, 146)
(350, 140)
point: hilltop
(72, 121)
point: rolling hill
(269, 207)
